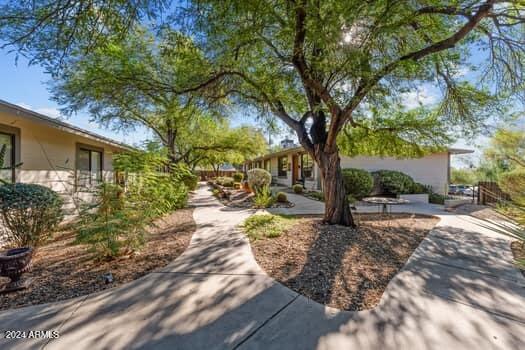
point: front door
(295, 169)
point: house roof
(58, 124)
(301, 149)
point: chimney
(287, 143)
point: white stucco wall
(430, 170)
(48, 154)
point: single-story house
(292, 165)
(53, 153)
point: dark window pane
(307, 166)
(96, 166)
(6, 144)
(283, 166)
(89, 167)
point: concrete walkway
(459, 290)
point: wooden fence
(489, 193)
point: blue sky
(26, 86)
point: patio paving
(459, 290)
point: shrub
(263, 198)
(436, 198)
(164, 192)
(238, 177)
(116, 222)
(228, 182)
(393, 182)
(29, 213)
(225, 181)
(183, 174)
(259, 178)
(267, 226)
(358, 182)
(316, 195)
(351, 199)
(298, 188)
(281, 197)
(419, 188)
(237, 185)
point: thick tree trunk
(337, 209)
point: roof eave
(58, 124)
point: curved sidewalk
(458, 290)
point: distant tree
(137, 81)
(463, 176)
(507, 146)
(209, 143)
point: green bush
(358, 182)
(263, 198)
(297, 188)
(165, 191)
(393, 182)
(29, 213)
(436, 198)
(267, 226)
(116, 222)
(258, 179)
(281, 197)
(238, 177)
(419, 188)
(225, 181)
(316, 195)
(183, 174)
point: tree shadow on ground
(424, 307)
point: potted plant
(28, 214)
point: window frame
(303, 166)
(90, 148)
(14, 133)
(13, 154)
(281, 165)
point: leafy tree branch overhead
(325, 67)
(334, 71)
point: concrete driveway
(459, 290)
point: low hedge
(394, 182)
(298, 188)
(358, 182)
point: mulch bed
(63, 270)
(339, 266)
(518, 250)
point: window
(7, 148)
(307, 166)
(89, 166)
(283, 166)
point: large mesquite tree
(329, 69)
(327, 66)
